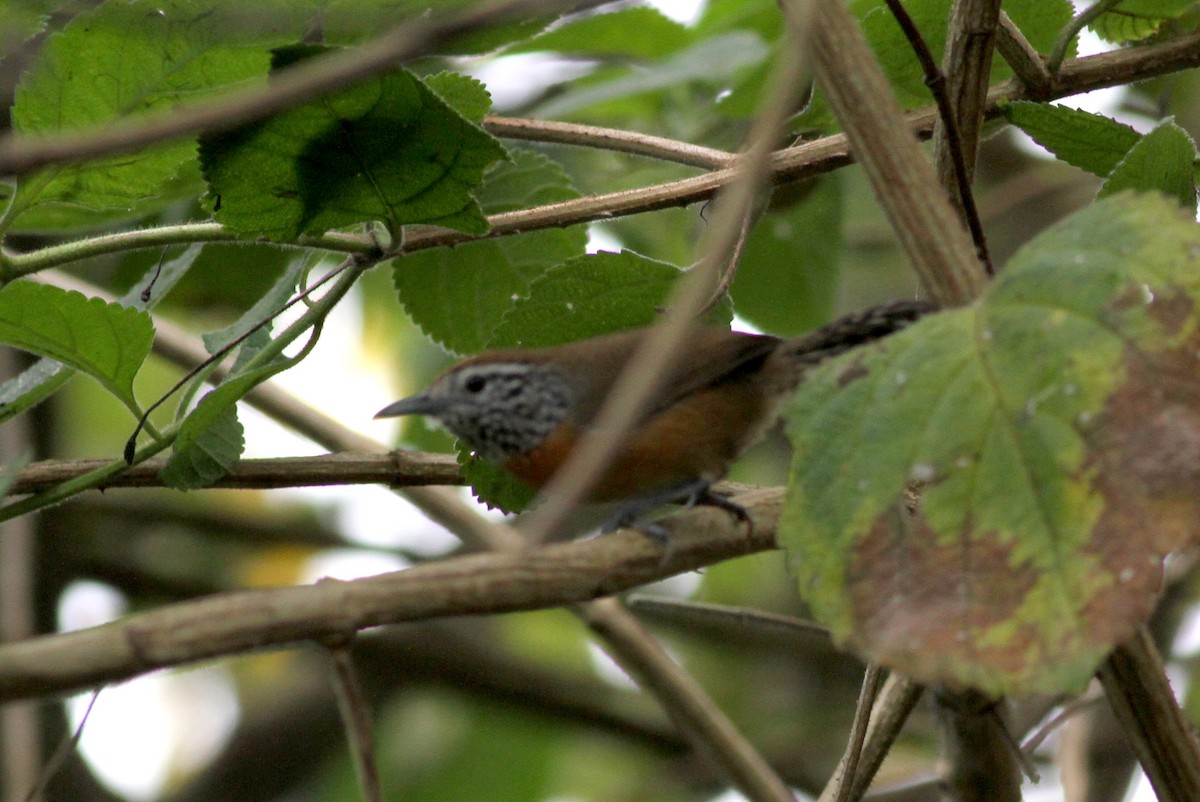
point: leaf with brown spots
(985, 498)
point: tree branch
(1024, 59)
(233, 623)
(396, 469)
(615, 139)
(895, 701)
(929, 230)
(1136, 685)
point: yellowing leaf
(986, 498)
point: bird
(525, 409)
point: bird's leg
(705, 496)
(690, 494)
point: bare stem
(1136, 685)
(929, 229)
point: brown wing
(714, 356)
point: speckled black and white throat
(503, 409)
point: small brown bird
(525, 409)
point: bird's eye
(475, 384)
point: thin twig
(356, 721)
(685, 610)
(615, 139)
(927, 226)
(685, 701)
(25, 264)
(966, 65)
(1136, 685)
(896, 700)
(396, 469)
(858, 734)
(357, 263)
(63, 752)
(951, 142)
(1023, 57)
(729, 270)
(1073, 708)
(1072, 29)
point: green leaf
(591, 295)
(759, 16)
(388, 149)
(985, 497)
(458, 295)
(209, 456)
(1163, 160)
(21, 21)
(493, 485)
(1088, 141)
(895, 52)
(583, 297)
(263, 308)
(121, 60)
(41, 379)
(711, 61)
(1134, 20)
(107, 341)
(1039, 21)
(789, 274)
(462, 93)
(637, 32)
(209, 440)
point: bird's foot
(699, 492)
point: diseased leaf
(459, 295)
(1088, 141)
(388, 149)
(107, 341)
(986, 497)
(1162, 160)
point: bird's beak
(414, 405)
